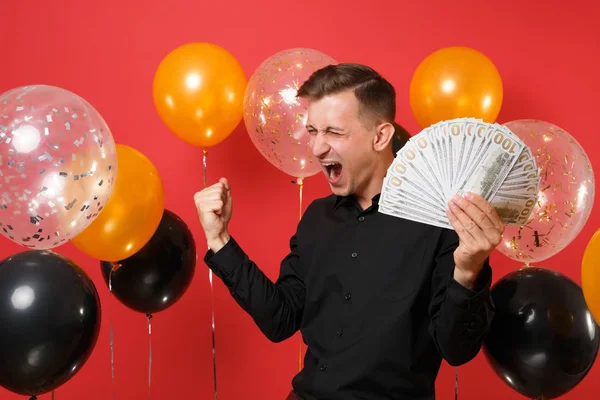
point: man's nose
(319, 145)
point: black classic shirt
(373, 296)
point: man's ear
(385, 133)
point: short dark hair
(376, 96)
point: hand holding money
(456, 157)
(479, 229)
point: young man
(379, 300)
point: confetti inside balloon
(57, 165)
(565, 198)
(275, 118)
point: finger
(476, 215)
(464, 235)
(212, 206)
(216, 191)
(225, 183)
(487, 209)
(466, 222)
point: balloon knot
(33, 398)
(115, 266)
(148, 315)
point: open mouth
(333, 170)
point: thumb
(225, 184)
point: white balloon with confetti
(57, 165)
(565, 198)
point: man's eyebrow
(328, 128)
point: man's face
(341, 142)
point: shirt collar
(351, 199)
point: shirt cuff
(472, 299)
(225, 261)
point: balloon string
(300, 183)
(204, 152)
(149, 317)
(110, 332)
(212, 297)
(456, 385)
(53, 395)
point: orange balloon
(131, 214)
(590, 276)
(198, 92)
(455, 82)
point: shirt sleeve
(460, 317)
(275, 307)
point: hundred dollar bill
(414, 216)
(531, 185)
(428, 148)
(392, 191)
(393, 184)
(534, 173)
(414, 152)
(445, 145)
(408, 178)
(493, 163)
(446, 153)
(514, 209)
(434, 138)
(407, 200)
(462, 132)
(525, 163)
(475, 146)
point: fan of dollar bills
(455, 157)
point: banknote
(492, 165)
(459, 156)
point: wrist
(466, 277)
(218, 242)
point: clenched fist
(214, 210)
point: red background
(107, 52)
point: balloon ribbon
(149, 317)
(300, 183)
(456, 385)
(212, 296)
(110, 330)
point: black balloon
(49, 321)
(543, 339)
(401, 136)
(158, 275)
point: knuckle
(496, 240)
(485, 245)
(470, 225)
(481, 217)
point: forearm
(463, 318)
(277, 307)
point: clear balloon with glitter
(275, 118)
(566, 195)
(57, 165)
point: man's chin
(339, 190)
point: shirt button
(354, 255)
(323, 367)
(361, 218)
(348, 296)
(340, 332)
